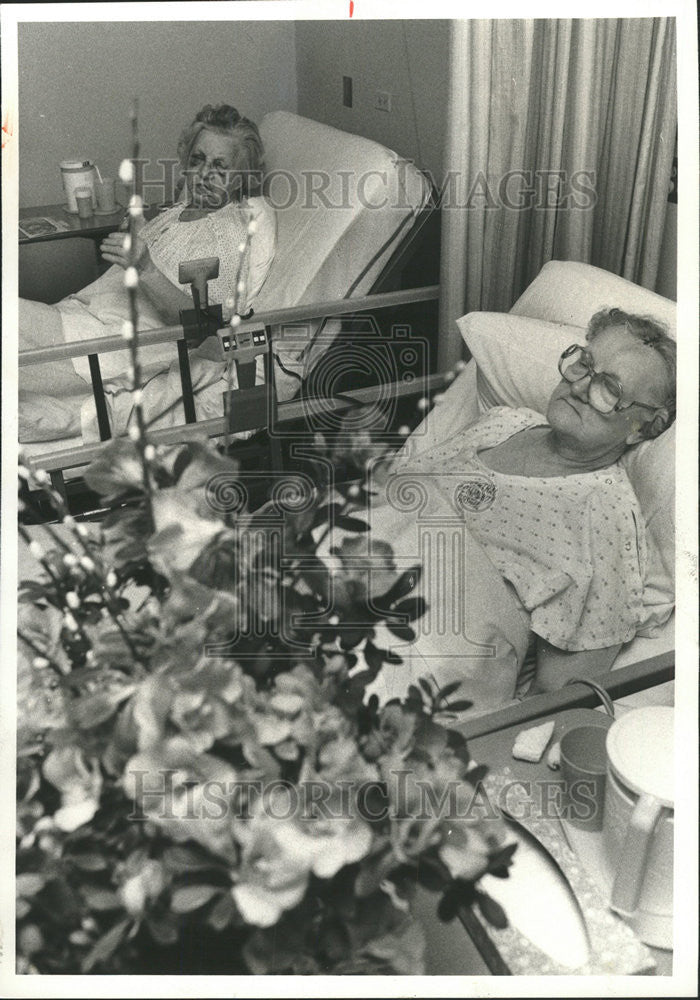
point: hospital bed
(349, 215)
(514, 362)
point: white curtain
(559, 145)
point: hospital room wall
(408, 59)
(77, 82)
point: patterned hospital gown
(99, 310)
(572, 546)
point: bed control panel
(242, 346)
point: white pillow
(567, 291)
(516, 359)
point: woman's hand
(115, 248)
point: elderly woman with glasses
(222, 162)
(554, 513)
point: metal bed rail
(624, 681)
(57, 461)
(271, 319)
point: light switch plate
(382, 100)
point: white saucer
(115, 211)
(96, 211)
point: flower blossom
(280, 855)
(186, 793)
(79, 784)
(287, 713)
(145, 885)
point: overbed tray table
(495, 750)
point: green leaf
(88, 862)
(413, 694)
(183, 859)
(500, 863)
(350, 637)
(29, 884)
(407, 582)
(404, 632)
(448, 689)
(327, 513)
(426, 686)
(100, 899)
(373, 657)
(223, 912)
(478, 773)
(106, 946)
(31, 591)
(492, 911)
(460, 706)
(448, 905)
(351, 523)
(414, 607)
(191, 897)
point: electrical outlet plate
(382, 100)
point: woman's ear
(657, 425)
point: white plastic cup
(104, 189)
(583, 771)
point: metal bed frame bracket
(199, 324)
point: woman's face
(641, 372)
(212, 178)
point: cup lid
(640, 751)
(75, 164)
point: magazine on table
(42, 225)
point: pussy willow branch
(62, 591)
(234, 323)
(38, 651)
(109, 595)
(132, 281)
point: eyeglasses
(604, 391)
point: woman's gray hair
(653, 333)
(226, 120)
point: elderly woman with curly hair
(222, 160)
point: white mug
(638, 822)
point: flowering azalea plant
(204, 782)
(197, 752)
